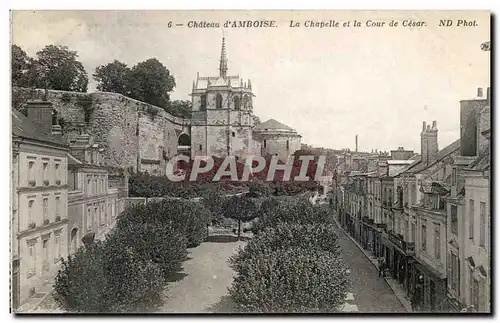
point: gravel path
(202, 285)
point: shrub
(187, 217)
(107, 277)
(290, 280)
(133, 279)
(319, 237)
(273, 211)
(213, 201)
(240, 208)
(258, 189)
(81, 281)
(161, 243)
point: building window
(58, 206)
(218, 101)
(288, 144)
(265, 143)
(437, 241)
(201, 147)
(424, 235)
(45, 173)
(482, 224)
(246, 102)
(31, 173)
(454, 177)
(102, 215)
(45, 246)
(474, 289)
(89, 218)
(455, 274)
(94, 186)
(89, 186)
(236, 103)
(57, 247)
(203, 103)
(471, 219)
(33, 259)
(412, 238)
(234, 133)
(454, 219)
(30, 211)
(45, 209)
(58, 174)
(96, 216)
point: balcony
(407, 247)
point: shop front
(368, 234)
(402, 252)
(430, 289)
(377, 237)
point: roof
(25, 128)
(72, 160)
(400, 161)
(202, 82)
(482, 162)
(272, 124)
(419, 166)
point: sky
(329, 84)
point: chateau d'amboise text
(322, 24)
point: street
(371, 293)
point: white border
(200, 4)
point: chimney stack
(40, 112)
(432, 142)
(479, 92)
(423, 144)
(356, 143)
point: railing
(398, 240)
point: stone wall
(281, 145)
(129, 130)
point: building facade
(469, 252)
(39, 201)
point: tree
(150, 81)
(112, 77)
(59, 69)
(179, 108)
(240, 208)
(21, 64)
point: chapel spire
(223, 59)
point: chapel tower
(222, 113)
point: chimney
(432, 142)
(479, 92)
(40, 112)
(423, 144)
(356, 143)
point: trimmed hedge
(285, 236)
(187, 217)
(293, 264)
(273, 211)
(294, 280)
(104, 279)
(128, 271)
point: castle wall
(276, 144)
(129, 130)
